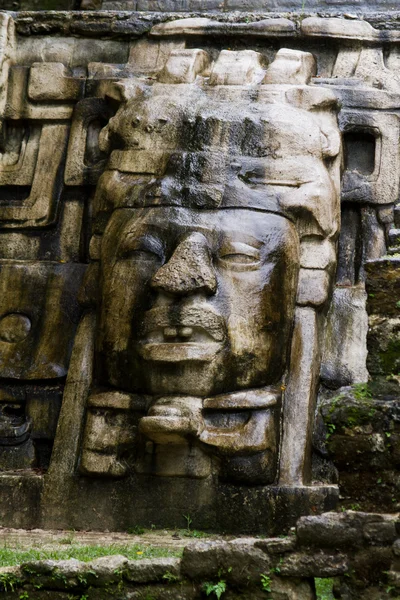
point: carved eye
(236, 253)
(238, 258)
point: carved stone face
(196, 302)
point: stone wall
(358, 551)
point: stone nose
(189, 270)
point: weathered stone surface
(381, 533)
(383, 286)
(332, 530)
(107, 569)
(345, 349)
(276, 545)
(239, 560)
(149, 570)
(360, 422)
(353, 529)
(315, 565)
(200, 178)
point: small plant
(361, 391)
(276, 570)
(189, 521)
(193, 533)
(69, 538)
(24, 596)
(215, 588)
(136, 530)
(170, 577)
(8, 582)
(355, 506)
(323, 588)
(266, 582)
(331, 429)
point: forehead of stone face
(273, 234)
(193, 119)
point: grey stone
(107, 569)
(317, 564)
(382, 533)
(39, 567)
(277, 545)
(396, 547)
(332, 530)
(151, 570)
(345, 348)
(239, 561)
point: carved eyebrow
(136, 240)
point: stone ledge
(287, 565)
(374, 26)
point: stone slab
(120, 505)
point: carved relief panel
(169, 237)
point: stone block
(332, 530)
(345, 339)
(152, 55)
(378, 186)
(209, 27)
(338, 28)
(381, 533)
(239, 560)
(383, 345)
(39, 567)
(183, 66)
(52, 81)
(318, 564)
(151, 570)
(107, 569)
(291, 67)
(276, 545)
(383, 286)
(38, 205)
(238, 68)
(18, 105)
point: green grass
(323, 588)
(12, 556)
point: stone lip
(123, 23)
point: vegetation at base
(323, 588)
(11, 556)
(217, 589)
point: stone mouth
(179, 334)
